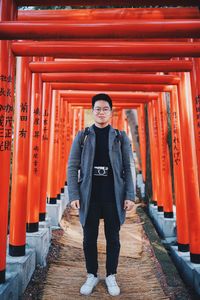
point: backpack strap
(118, 135)
(84, 136)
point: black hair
(103, 97)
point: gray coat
(80, 182)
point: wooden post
(7, 12)
(18, 209)
(34, 168)
(178, 169)
(190, 166)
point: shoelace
(112, 280)
(89, 278)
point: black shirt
(101, 157)
(102, 186)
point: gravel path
(139, 276)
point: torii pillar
(7, 13)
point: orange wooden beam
(110, 78)
(125, 105)
(105, 65)
(83, 49)
(74, 102)
(112, 87)
(188, 28)
(113, 13)
(86, 96)
(109, 2)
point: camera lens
(101, 171)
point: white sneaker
(113, 288)
(112, 285)
(88, 286)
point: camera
(100, 171)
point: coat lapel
(112, 135)
(111, 138)
(92, 139)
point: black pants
(107, 211)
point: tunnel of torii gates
(141, 57)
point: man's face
(102, 112)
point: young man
(101, 176)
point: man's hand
(128, 205)
(75, 204)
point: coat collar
(111, 131)
(111, 138)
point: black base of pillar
(58, 196)
(183, 247)
(160, 208)
(62, 190)
(2, 276)
(65, 182)
(32, 227)
(168, 215)
(42, 217)
(154, 202)
(195, 258)
(17, 250)
(52, 200)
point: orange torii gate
(118, 112)
(73, 86)
(127, 101)
(75, 105)
(192, 53)
(117, 96)
(168, 200)
(60, 86)
(183, 246)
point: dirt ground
(140, 274)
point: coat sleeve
(73, 168)
(129, 168)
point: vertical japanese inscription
(45, 125)
(6, 112)
(175, 139)
(56, 128)
(23, 120)
(36, 136)
(163, 142)
(197, 106)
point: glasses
(105, 110)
